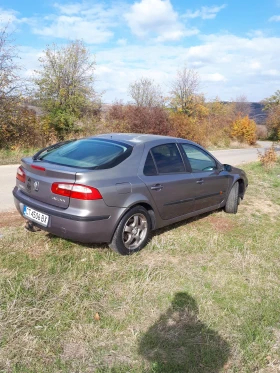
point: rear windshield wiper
(49, 148)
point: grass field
(203, 296)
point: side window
(199, 160)
(168, 159)
(150, 168)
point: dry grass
(11, 219)
(202, 297)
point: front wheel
(232, 203)
(133, 231)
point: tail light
(76, 191)
(21, 174)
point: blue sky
(234, 45)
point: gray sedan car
(117, 188)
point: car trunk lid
(39, 179)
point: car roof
(136, 138)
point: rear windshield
(89, 153)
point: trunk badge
(36, 186)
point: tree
(272, 101)
(65, 84)
(241, 106)
(146, 93)
(10, 87)
(9, 78)
(272, 106)
(184, 90)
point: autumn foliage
(137, 119)
(244, 130)
(19, 127)
(269, 157)
(209, 124)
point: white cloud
(228, 66)
(256, 33)
(69, 9)
(7, 16)
(70, 27)
(92, 23)
(122, 41)
(274, 19)
(10, 18)
(204, 12)
(156, 18)
(216, 77)
(255, 65)
(271, 72)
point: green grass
(9, 156)
(203, 296)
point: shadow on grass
(181, 223)
(154, 233)
(179, 342)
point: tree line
(63, 91)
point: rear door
(211, 183)
(168, 181)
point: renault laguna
(117, 188)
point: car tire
(232, 203)
(133, 231)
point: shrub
(130, 118)
(262, 132)
(273, 122)
(244, 130)
(269, 158)
(187, 127)
(19, 128)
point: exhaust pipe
(29, 226)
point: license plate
(36, 216)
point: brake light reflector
(20, 174)
(38, 167)
(76, 191)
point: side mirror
(227, 167)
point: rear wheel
(133, 231)
(232, 203)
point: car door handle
(157, 187)
(201, 181)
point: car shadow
(154, 233)
(180, 342)
(85, 245)
(170, 227)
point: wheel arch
(150, 210)
(144, 204)
(241, 190)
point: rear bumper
(63, 223)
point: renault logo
(36, 186)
